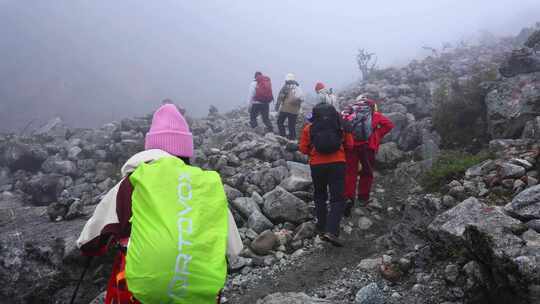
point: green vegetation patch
(450, 165)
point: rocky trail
(472, 237)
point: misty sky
(96, 61)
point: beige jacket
(105, 212)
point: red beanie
(319, 86)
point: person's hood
(291, 82)
(142, 157)
(324, 91)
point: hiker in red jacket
(259, 98)
(365, 128)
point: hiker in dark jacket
(259, 99)
(288, 104)
(322, 140)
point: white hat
(290, 77)
(361, 97)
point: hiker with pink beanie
(170, 220)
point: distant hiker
(322, 140)
(259, 99)
(365, 128)
(169, 219)
(325, 95)
(288, 104)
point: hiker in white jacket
(170, 220)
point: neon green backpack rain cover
(178, 241)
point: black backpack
(326, 134)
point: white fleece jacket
(105, 212)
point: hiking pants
(329, 176)
(366, 156)
(264, 110)
(291, 124)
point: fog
(91, 62)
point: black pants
(264, 110)
(329, 176)
(291, 124)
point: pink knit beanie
(170, 132)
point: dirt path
(322, 266)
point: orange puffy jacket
(316, 158)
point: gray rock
(522, 163)
(532, 129)
(389, 154)
(451, 273)
(370, 264)
(264, 243)
(76, 209)
(44, 188)
(19, 156)
(481, 169)
(296, 183)
(508, 170)
(245, 205)
(519, 62)
(364, 223)
(511, 103)
(231, 193)
(258, 222)
(56, 211)
(257, 198)
(304, 231)
(532, 238)
(534, 225)
(401, 122)
(525, 205)
(56, 165)
(299, 169)
(474, 271)
(370, 294)
(290, 298)
(54, 129)
(282, 206)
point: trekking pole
(88, 262)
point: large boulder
(53, 129)
(245, 205)
(19, 156)
(525, 205)
(400, 122)
(44, 188)
(491, 237)
(264, 243)
(511, 104)
(389, 154)
(299, 178)
(56, 165)
(258, 222)
(520, 62)
(282, 206)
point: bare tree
(367, 62)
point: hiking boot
(332, 239)
(363, 202)
(348, 208)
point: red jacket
(381, 126)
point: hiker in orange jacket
(362, 150)
(322, 140)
